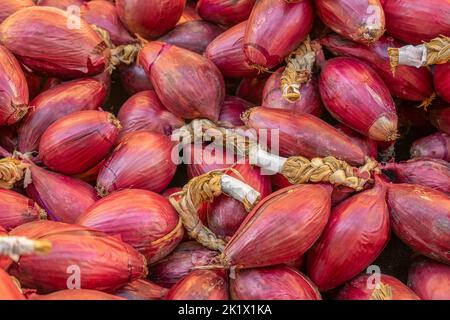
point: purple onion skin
(192, 35)
(433, 173)
(8, 7)
(308, 103)
(407, 83)
(357, 97)
(180, 263)
(435, 146)
(134, 79)
(274, 29)
(225, 12)
(272, 283)
(429, 279)
(442, 80)
(420, 217)
(226, 52)
(251, 89)
(231, 111)
(145, 112)
(55, 103)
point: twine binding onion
(14, 247)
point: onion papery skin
(142, 160)
(56, 55)
(141, 290)
(202, 211)
(356, 234)
(189, 13)
(145, 112)
(60, 4)
(369, 146)
(5, 261)
(16, 209)
(80, 294)
(274, 29)
(201, 285)
(309, 101)
(225, 12)
(357, 97)
(8, 138)
(151, 18)
(414, 21)
(281, 228)
(442, 80)
(358, 289)
(78, 141)
(251, 89)
(226, 52)
(188, 85)
(440, 118)
(232, 108)
(13, 89)
(435, 146)
(143, 219)
(55, 103)
(193, 35)
(272, 283)
(8, 289)
(38, 229)
(11, 6)
(316, 139)
(182, 261)
(429, 279)
(62, 197)
(360, 21)
(420, 217)
(103, 14)
(104, 263)
(409, 83)
(429, 172)
(134, 79)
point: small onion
(8, 288)
(141, 290)
(225, 12)
(251, 89)
(440, 118)
(232, 108)
(8, 7)
(134, 79)
(442, 80)
(429, 279)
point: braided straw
(14, 247)
(438, 50)
(394, 57)
(384, 292)
(12, 171)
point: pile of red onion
(224, 150)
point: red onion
(8, 138)
(356, 234)
(434, 146)
(150, 18)
(356, 96)
(429, 279)
(192, 35)
(14, 92)
(308, 103)
(62, 197)
(281, 228)
(408, 83)
(183, 260)
(414, 21)
(201, 285)
(420, 216)
(8, 288)
(134, 79)
(5, 261)
(364, 288)
(11, 6)
(274, 29)
(316, 139)
(442, 80)
(251, 89)
(360, 21)
(78, 141)
(231, 111)
(143, 219)
(17, 209)
(103, 14)
(55, 103)
(101, 262)
(25, 34)
(141, 290)
(440, 118)
(227, 53)
(34, 84)
(272, 283)
(189, 85)
(225, 12)
(142, 160)
(80, 294)
(144, 111)
(433, 173)
(202, 161)
(369, 146)
(61, 4)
